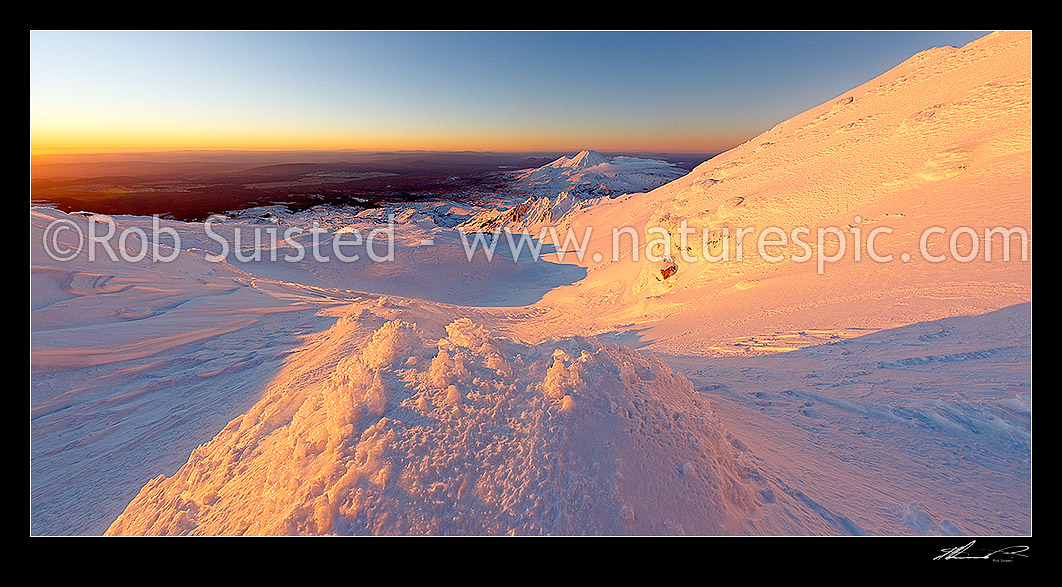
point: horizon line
(46, 151)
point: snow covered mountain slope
(927, 158)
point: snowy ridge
(529, 215)
(466, 433)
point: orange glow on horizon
(493, 146)
(96, 140)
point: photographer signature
(965, 552)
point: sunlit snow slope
(942, 140)
(417, 429)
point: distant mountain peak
(585, 158)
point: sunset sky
(501, 91)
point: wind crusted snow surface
(135, 364)
(928, 425)
(461, 432)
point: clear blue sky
(563, 90)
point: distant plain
(191, 185)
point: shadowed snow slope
(134, 365)
(924, 429)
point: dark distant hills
(192, 185)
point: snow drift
(463, 433)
